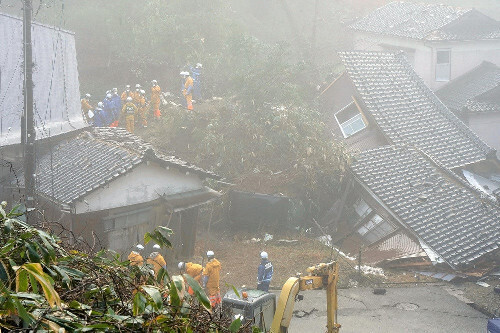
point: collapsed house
(411, 198)
(441, 42)
(109, 186)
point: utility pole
(29, 143)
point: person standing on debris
(187, 90)
(193, 270)
(116, 102)
(136, 95)
(99, 118)
(108, 109)
(196, 74)
(155, 98)
(86, 107)
(127, 93)
(264, 273)
(156, 260)
(210, 279)
(129, 110)
(135, 257)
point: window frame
(359, 115)
(438, 65)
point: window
(443, 65)
(362, 209)
(350, 120)
(375, 229)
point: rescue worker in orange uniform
(136, 95)
(86, 107)
(188, 90)
(210, 279)
(142, 107)
(193, 270)
(135, 257)
(129, 110)
(156, 260)
(126, 93)
(155, 98)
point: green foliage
(45, 287)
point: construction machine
(261, 309)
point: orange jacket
(212, 270)
(86, 105)
(135, 259)
(136, 95)
(155, 94)
(126, 94)
(194, 270)
(188, 86)
(157, 261)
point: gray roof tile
(429, 22)
(446, 214)
(90, 160)
(408, 112)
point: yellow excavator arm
(322, 275)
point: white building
(441, 42)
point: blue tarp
(494, 325)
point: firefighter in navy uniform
(265, 272)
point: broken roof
(408, 112)
(425, 21)
(92, 159)
(434, 204)
(475, 90)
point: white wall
(464, 55)
(56, 89)
(143, 184)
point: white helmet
(198, 65)
(137, 85)
(115, 90)
(143, 92)
(139, 246)
(129, 99)
(109, 95)
(127, 86)
(184, 73)
(156, 246)
(210, 253)
(154, 82)
(181, 265)
(87, 95)
(263, 255)
(100, 105)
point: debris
(327, 241)
(371, 270)
(287, 241)
(302, 313)
(268, 237)
(482, 284)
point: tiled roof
(429, 22)
(408, 112)
(92, 159)
(446, 214)
(466, 90)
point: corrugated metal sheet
(55, 76)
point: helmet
(129, 99)
(115, 90)
(198, 65)
(109, 95)
(181, 265)
(87, 95)
(100, 104)
(263, 255)
(127, 86)
(137, 85)
(108, 91)
(154, 82)
(142, 92)
(210, 253)
(184, 73)
(156, 246)
(139, 246)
